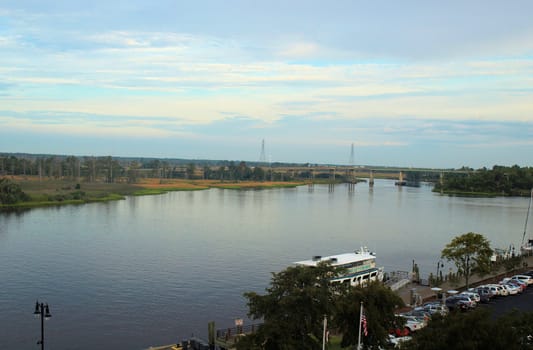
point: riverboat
(360, 266)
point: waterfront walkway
(423, 293)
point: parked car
(473, 295)
(524, 278)
(435, 308)
(492, 289)
(414, 323)
(459, 302)
(511, 288)
(498, 289)
(396, 342)
(485, 295)
(418, 312)
(522, 285)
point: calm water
(153, 270)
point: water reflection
(158, 267)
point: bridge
(352, 173)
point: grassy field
(46, 192)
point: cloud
(434, 75)
(300, 50)
(61, 123)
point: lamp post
(440, 264)
(43, 311)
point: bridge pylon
(331, 185)
(351, 180)
(401, 181)
(311, 184)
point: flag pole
(360, 318)
(324, 333)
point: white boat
(360, 266)
(527, 246)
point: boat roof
(339, 259)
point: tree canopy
(470, 253)
(11, 193)
(511, 181)
(379, 303)
(475, 330)
(299, 297)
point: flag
(363, 322)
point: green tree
(475, 330)
(191, 169)
(299, 297)
(470, 253)
(133, 172)
(11, 193)
(379, 305)
(258, 174)
(293, 309)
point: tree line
(109, 169)
(501, 180)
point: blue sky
(409, 83)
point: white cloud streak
(157, 82)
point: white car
(473, 295)
(414, 323)
(511, 289)
(501, 291)
(435, 308)
(493, 289)
(397, 341)
(523, 278)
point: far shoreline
(59, 192)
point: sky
(408, 83)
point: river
(156, 269)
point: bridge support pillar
(400, 181)
(351, 180)
(331, 185)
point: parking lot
(521, 302)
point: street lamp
(440, 264)
(43, 311)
